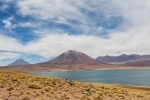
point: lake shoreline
(120, 85)
(135, 77)
(115, 68)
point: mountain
(122, 58)
(73, 57)
(19, 62)
(139, 63)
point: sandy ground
(21, 86)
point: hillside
(122, 58)
(139, 63)
(19, 62)
(21, 86)
(73, 57)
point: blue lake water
(139, 77)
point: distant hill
(139, 63)
(73, 57)
(123, 58)
(19, 62)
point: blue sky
(39, 30)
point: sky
(40, 30)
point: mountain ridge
(73, 57)
(18, 62)
(122, 58)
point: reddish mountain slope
(73, 57)
(139, 63)
(19, 62)
(123, 58)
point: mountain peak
(71, 51)
(19, 62)
(73, 57)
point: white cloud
(28, 24)
(47, 9)
(9, 55)
(137, 12)
(8, 23)
(65, 12)
(53, 44)
(4, 63)
(10, 44)
(4, 7)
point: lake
(139, 77)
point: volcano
(19, 62)
(73, 57)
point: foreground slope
(20, 86)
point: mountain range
(123, 59)
(70, 60)
(74, 60)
